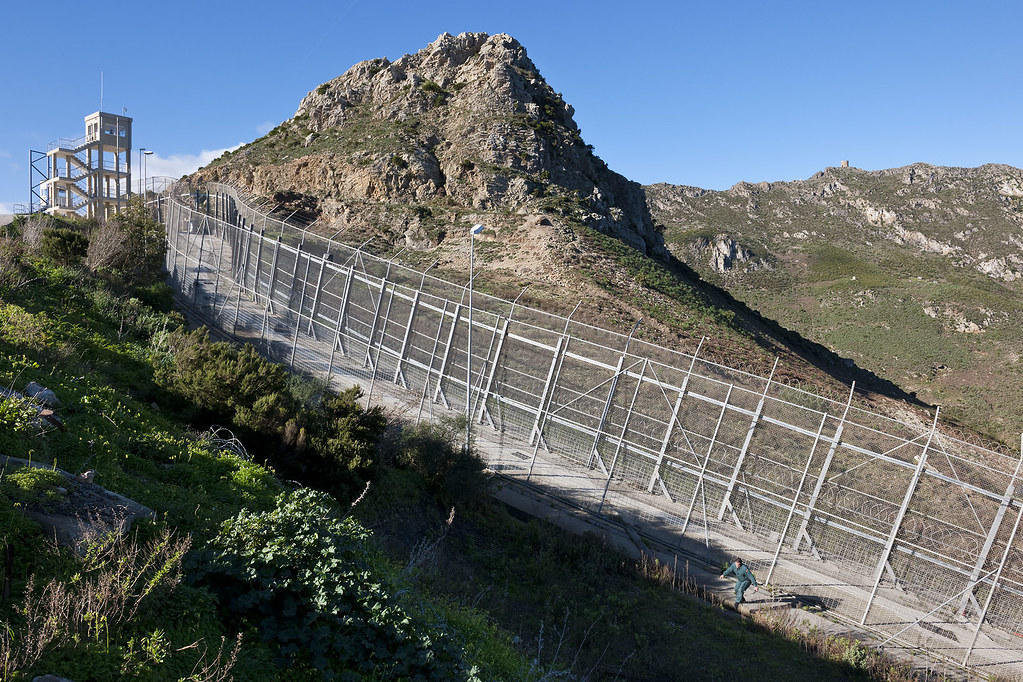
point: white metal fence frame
(898, 527)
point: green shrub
(130, 247)
(304, 576)
(16, 416)
(64, 246)
(234, 384)
(341, 435)
(436, 451)
(157, 295)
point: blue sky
(695, 93)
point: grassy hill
(910, 273)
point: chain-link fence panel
(891, 523)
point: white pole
(476, 229)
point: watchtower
(90, 175)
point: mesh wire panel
(889, 522)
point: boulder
(42, 395)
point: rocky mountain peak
(465, 125)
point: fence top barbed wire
(543, 322)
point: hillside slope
(411, 152)
(913, 273)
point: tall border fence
(894, 526)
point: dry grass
(117, 575)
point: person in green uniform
(743, 579)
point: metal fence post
(795, 497)
(220, 261)
(656, 474)
(482, 398)
(368, 361)
(311, 330)
(383, 337)
(433, 356)
(994, 587)
(398, 374)
(301, 301)
(547, 394)
(699, 484)
(198, 265)
(822, 477)
(294, 272)
(621, 437)
(447, 354)
(726, 500)
(910, 489)
(268, 308)
(259, 263)
(1003, 506)
(594, 451)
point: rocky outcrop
(724, 254)
(973, 216)
(466, 124)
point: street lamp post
(144, 175)
(141, 151)
(476, 229)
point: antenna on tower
(101, 91)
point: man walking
(743, 579)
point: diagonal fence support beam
(335, 344)
(399, 376)
(433, 357)
(1003, 506)
(485, 394)
(994, 587)
(594, 451)
(547, 395)
(439, 393)
(655, 476)
(621, 436)
(795, 497)
(726, 501)
(910, 489)
(368, 361)
(301, 304)
(825, 467)
(699, 484)
(311, 329)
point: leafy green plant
(16, 415)
(64, 246)
(306, 578)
